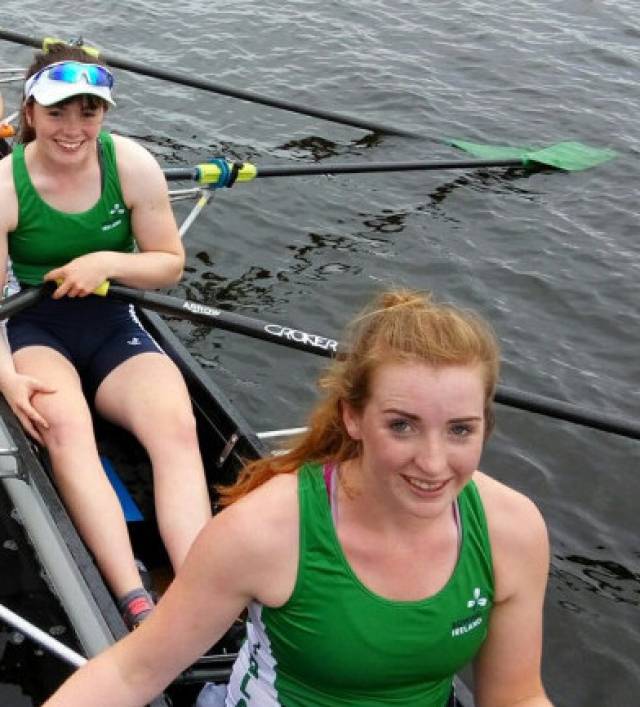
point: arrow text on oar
(205, 314)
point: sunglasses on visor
(73, 72)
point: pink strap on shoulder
(328, 470)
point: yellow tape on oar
(101, 290)
(216, 173)
(48, 42)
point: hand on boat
(81, 276)
(19, 391)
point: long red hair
(399, 326)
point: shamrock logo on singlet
(115, 213)
(477, 600)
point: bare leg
(147, 395)
(77, 470)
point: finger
(37, 418)
(34, 416)
(39, 387)
(53, 275)
(77, 291)
(29, 428)
(62, 290)
(36, 435)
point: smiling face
(421, 433)
(66, 131)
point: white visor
(46, 91)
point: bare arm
(507, 669)
(16, 388)
(160, 257)
(8, 218)
(247, 547)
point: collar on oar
(218, 173)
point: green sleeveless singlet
(46, 238)
(337, 643)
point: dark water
(551, 259)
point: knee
(65, 432)
(183, 426)
(171, 427)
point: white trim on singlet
(11, 284)
(253, 678)
(11, 287)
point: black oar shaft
(252, 97)
(294, 338)
(295, 170)
(205, 314)
(21, 300)
(192, 173)
(566, 411)
(213, 87)
(181, 174)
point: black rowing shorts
(95, 334)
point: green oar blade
(571, 156)
(492, 152)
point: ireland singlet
(46, 238)
(336, 643)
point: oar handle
(101, 290)
(15, 303)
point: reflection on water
(320, 148)
(608, 579)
